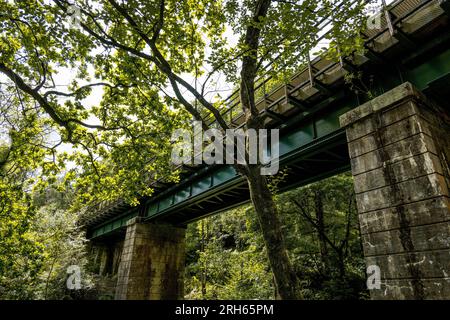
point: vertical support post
(399, 150)
(152, 263)
(387, 15)
(310, 72)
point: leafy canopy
(157, 64)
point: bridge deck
(312, 146)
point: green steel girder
(434, 69)
(115, 225)
(225, 177)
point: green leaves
(105, 92)
(226, 254)
(20, 256)
(226, 258)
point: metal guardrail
(233, 99)
(392, 15)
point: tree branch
(71, 94)
(250, 61)
(314, 224)
(164, 66)
(46, 105)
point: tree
(326, 241)
(326, 255)
(140, 53)
(57, 229)
(21, 257)
(230, 262)
(39, 237)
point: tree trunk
(285, 278)
(341, 264)
(203, 270)
(318, 204)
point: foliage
(134, 55)
(331, 265)
(157, 65)
(230, 249)
(38, 244)
(20, 256)
(57, 229)
(227, 259)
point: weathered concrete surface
(152, 262)
(105, 257)
(399, 145)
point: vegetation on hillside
(225, 253)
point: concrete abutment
(399, 146)
(152, 262)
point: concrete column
(152, 262)
(106, 260)
(399, 145)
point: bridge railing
(390, 16)
(234, 112)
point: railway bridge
(396, 144)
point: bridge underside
(395, 144)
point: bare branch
(71, 94)
(46, 105)
(315, 225)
